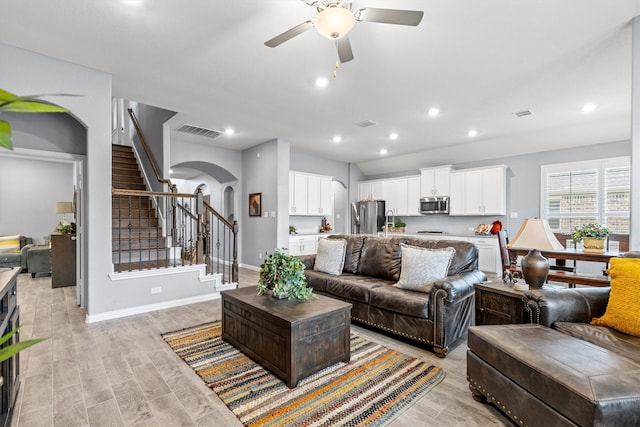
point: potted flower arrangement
(397, 226)
(283, 274)
(593, 236)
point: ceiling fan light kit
(334, 22)
(335, 19)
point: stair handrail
(233, 227)
(147, 151)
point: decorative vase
(593, 244)
(535, 268)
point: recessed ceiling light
(229, 131)
(433, 112)
(472, 133)
(322, 82)
(393, 136)
(383, 151)
(588, 108)
(133, 3)
(337, 138)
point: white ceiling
(479, 61)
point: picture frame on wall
(255, 204)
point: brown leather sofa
(436, 317)
(561, 370)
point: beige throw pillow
(421, 267)
(330, 256)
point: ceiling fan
(336, 18)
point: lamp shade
(334, 22)
(535, 234)
(64, 207)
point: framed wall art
(255, 204)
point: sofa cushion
(10, 244)
(354, 287)
(618, 342)
(355, 242)
(420, 267)
(330, 256)
(623, 308)
(381, 258)
(465, 258)
(316, 279)
(401, 301)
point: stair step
(118, 147)
(148, 265)
(134, 212)
(135, 233)
(129, 186)
(135, 222)
(117, 171)
(127, 179)
(124, 164)
(125, 256)
(139, 244)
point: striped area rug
(371, 390)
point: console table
(9, 318)
(63, 260)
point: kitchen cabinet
(434, 181)
(320, 195)
(413, 195)
(394, 193)
(310, 194)
(303, 245)
(370, 190)
(478, 192)
(298, 193)
(488, 254)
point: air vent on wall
(365, 123)
(523, 113)
(195, 130)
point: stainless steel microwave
(434, 205)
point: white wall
(30, 188)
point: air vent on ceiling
(195, 130)
(523, 113)
(365, 123)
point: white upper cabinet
(478, 191)
(434, 181)
(370, 190)
(413, 195)
(310, 194)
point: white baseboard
(249, 267)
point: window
(581, 192)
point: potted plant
(283, 274)
(593, 236)
(397, 226)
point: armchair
(15, 257)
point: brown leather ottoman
(539, 376)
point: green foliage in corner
(13, 349)
(284, 275)
(22, 104)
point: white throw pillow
(420, 267)
(330, 256)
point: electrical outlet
(514, 215)
(259, 255)
(156, 290)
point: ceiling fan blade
(344, 49)
(289, 34)
(389, 16)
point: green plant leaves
(14, 349)
(5, 135)
(284, 275)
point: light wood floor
(121, 373)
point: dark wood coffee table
(292, 339)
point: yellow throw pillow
(623, 308)
(10, 244)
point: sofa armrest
(456, 287)
(23, 255)
(308, 261)
(579, 305)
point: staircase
(138, 242)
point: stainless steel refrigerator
(367, 217)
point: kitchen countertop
(445, 235)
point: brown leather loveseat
(560, 370)
(437, 315)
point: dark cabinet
(9, 369)
(63, 260)
(498, 304)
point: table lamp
(536, 235)
(64, 208)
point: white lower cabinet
(303, 245)
(488, 254)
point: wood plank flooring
(121, 373)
